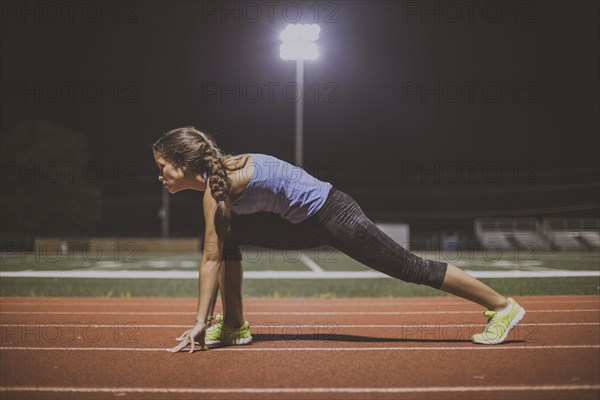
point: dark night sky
(166, 55)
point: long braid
(202, 153)
(220, 187)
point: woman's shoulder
(267, 157)
(261, 160)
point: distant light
(299, 42)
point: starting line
(313, 274)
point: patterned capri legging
(341, 224)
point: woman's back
(282, 188)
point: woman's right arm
(210, 265)
(211, 260)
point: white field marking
(308, 302)
(170, 264)
(158, 263)
(428, 389)
(292, 324)
(390, 348)
(189, 264)
(176, 274)
(107, 264)
(510, 265)
(311, 264)
(275, 312)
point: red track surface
(75, 348)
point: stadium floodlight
(298, 44)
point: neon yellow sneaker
(498, 326)
(219, 333)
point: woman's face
(173, 178)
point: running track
(75, 348)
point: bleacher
(573, 234)
(511, 233)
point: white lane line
(390, 348)
(391, 301)
(531, 274)
(277, 312)
(176, 274)
(428, 389)
(311, 264)
(308, 302)
(291, 324)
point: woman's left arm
(208, 279)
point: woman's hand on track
(189, 337)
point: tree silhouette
(47, 187)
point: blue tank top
(281, 188)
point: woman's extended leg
(344, 225)
(459, 283)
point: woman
(261, 200)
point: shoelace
(490, 316)
(218, 326)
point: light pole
(163, 213)
(298, 43)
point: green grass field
(273, 260)
(326, 288)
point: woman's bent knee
(436, 273)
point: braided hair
(200, 151)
